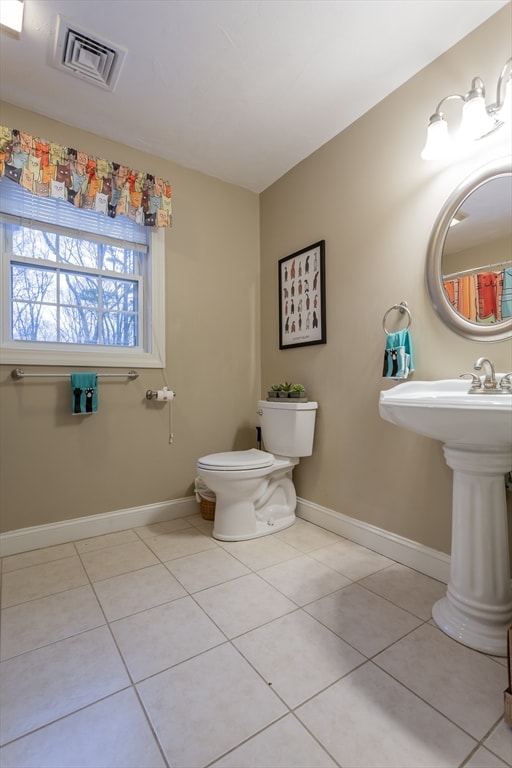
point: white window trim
(22, 353)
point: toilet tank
(287, 428)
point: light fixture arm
(501, 80)
(446, 98)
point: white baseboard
(429, 561)
(38, 536)
(423, 559)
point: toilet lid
(251, 459)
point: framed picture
(302, 297)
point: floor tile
(482, 758)
(222, 640)
(107, 540)
(306, 537)
(208, 705)
(37, 556)
(179, 544)
(43, 685)
(407, 588)
(500, 742)
(156, 639)
(206, 569)
(365, 620)
(113, 561)
(198, 521)
(303, 579)
(260, 553)
(121, 738)
(243, 604)
(157, 529)
(286, 744)
(31, 625)
(368, 720)
(137, 591)
(40, 580)
(298, 656)
(352, 560)
(461, 683)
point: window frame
(151, 354)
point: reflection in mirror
(477, 254)
(469, 264)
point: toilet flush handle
(260, 411)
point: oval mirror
(469, 259)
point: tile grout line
(132, 685)
(478, 743)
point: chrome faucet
(490, 374)
(489, 383)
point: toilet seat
(236, 460)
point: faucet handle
(506, 382)
(476, 384)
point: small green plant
(275, 387)
(298, 388)
(286, 386)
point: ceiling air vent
(87, 56)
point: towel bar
(19, 373)
(402, 308)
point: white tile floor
(160, 646)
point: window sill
(104, 358)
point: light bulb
(11, 15)
(476, 121)
(438, 142)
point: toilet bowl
(255, 495)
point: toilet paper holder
(162, 395)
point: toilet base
(252, 503)
(262, 528)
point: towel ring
(402, 308)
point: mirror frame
(451, 318)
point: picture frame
(302, 297)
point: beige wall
(374, 201)
(55, 466)
(494, 252)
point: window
(78, 287)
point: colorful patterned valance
(51, 170)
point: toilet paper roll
(164, 394)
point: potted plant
(273, 391)
(298, 391)
(286, 388)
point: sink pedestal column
(477, 609)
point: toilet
(255, 495)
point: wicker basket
(207, 509)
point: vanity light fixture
(478, 119)
(11, 16)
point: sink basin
(476, 431)
(445, 411)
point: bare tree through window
(74, 290)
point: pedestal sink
(476, 430)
